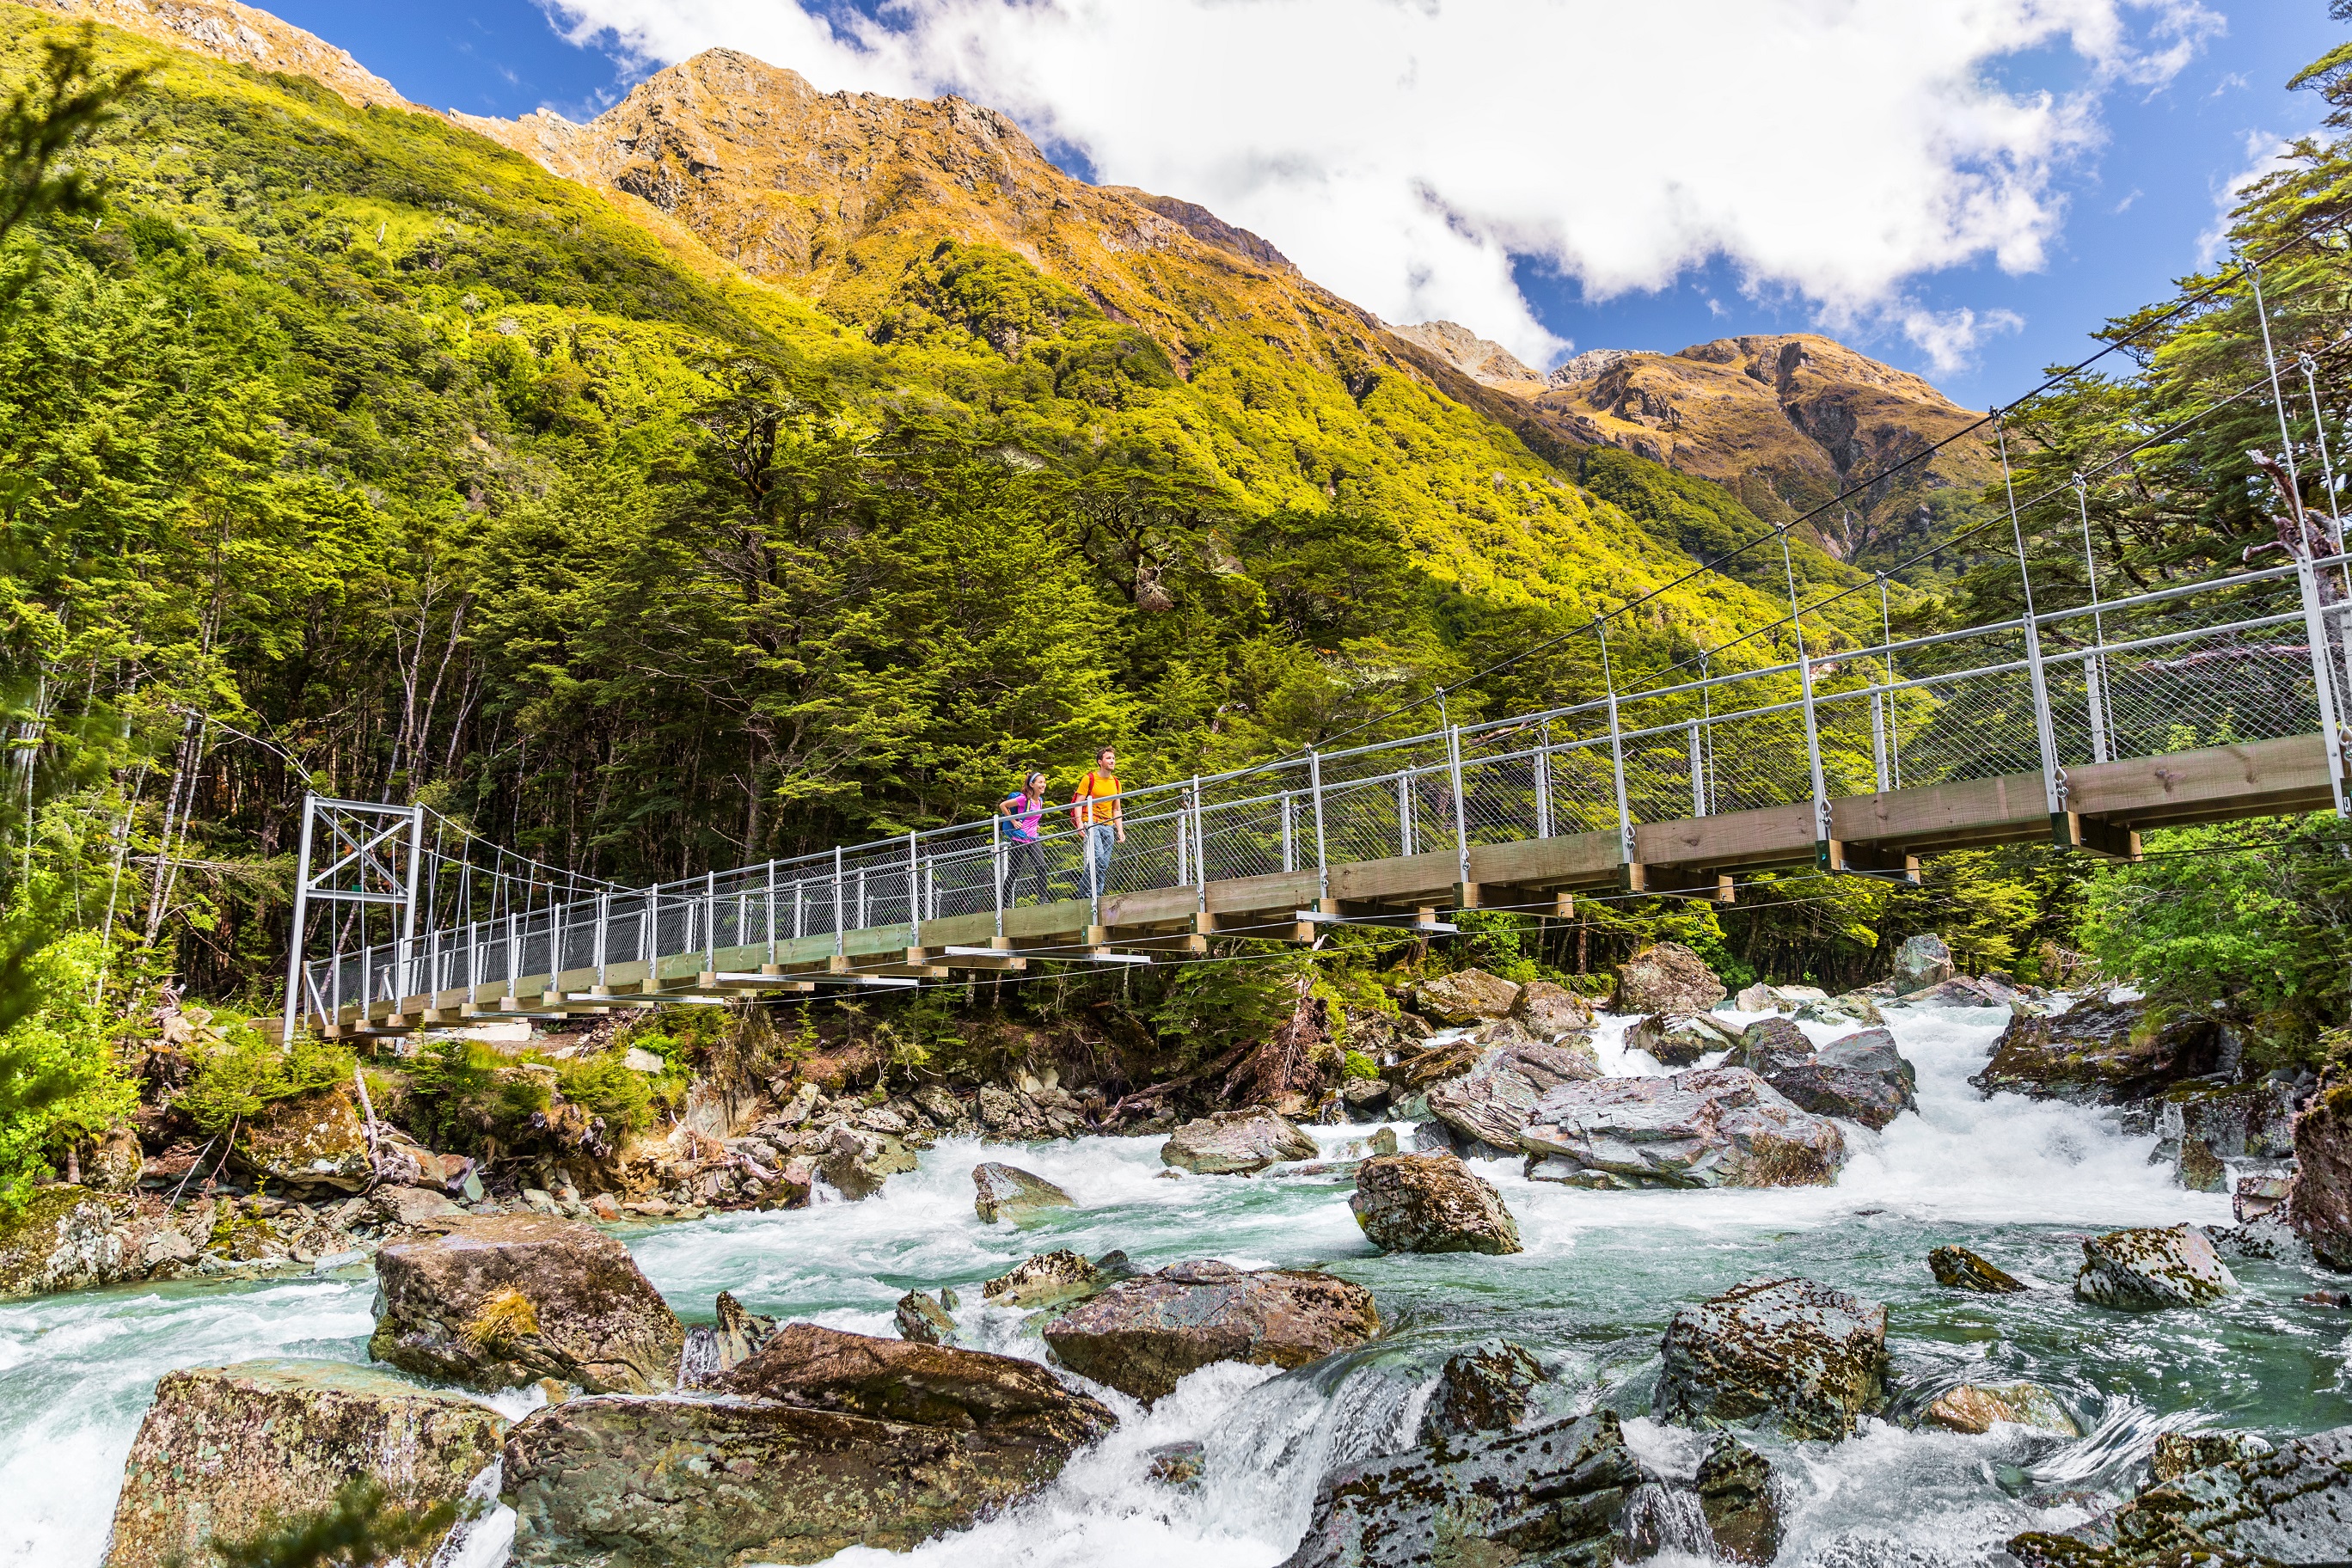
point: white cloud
(2265, 154)
(1950, 337)
(1408, 152)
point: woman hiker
(1095, 811)
(1021, 811)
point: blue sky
(2130, 204)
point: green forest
(345, 450)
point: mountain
(739, 166)
(911, 220)
(241, 35)
(1482, 360)
(1786, 421)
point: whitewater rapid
(2020, 1180)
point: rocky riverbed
(1227, 1466)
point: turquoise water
(1602, 1272)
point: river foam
(2020, 1180)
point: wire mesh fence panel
(1583, 787)
(1756, 758)
(1243, 838)
(1362, 820)
(1847, 722)
(1430, 790)
(1158, 852)
(1656, 741)
(1499, 803)
(2218, 688)
(1967, 726)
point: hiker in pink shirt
(1025, 856)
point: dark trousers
(1026, 858)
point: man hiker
(1024, 854)
(1095, 811)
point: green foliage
(604, 1085)
(448, 1089)
(1356, 1064)
(2251, 914)
(236, 1081)
(361, 1529)
(1494, 938)
(59, 1079)
(1208, 1008)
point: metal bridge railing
(2225, 660)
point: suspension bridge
(2081, 725)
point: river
(2018, 1180)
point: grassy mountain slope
(918, 220)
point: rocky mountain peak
(1586, 366)
(1207, 227)
(1482, 360)
(225, 30)
(1784, 420)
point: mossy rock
(222, 1448)
(62, 1239)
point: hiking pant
(1026, 858)
(1101, 839)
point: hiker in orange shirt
(1095, 810)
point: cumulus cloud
(1413, 154)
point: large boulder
(1555, 1494)
(1713, 1127)
(312, 1139)
(2148, 1270)
(1466, 997)
(923, 1318)
(931, 1386)
(1045, 1280)
(65, 1238)
(827, 1440)
(1862, 1077)
(1431, 1202)
(1679, 1039)
(2291, 1505)
(223, 1447)
(1008, 1192)
(1487, 1387)
(1792, 1354)
(1227, 1142)
(1763, 998)
(857, 1160)
(501, 1300)
(1548, 1010)
(1492, 1101)
(2239, 1121)
(1854, 1008)
(1143, 1335)
(1770, 1045)
(1666, 977)
(1922, 960)
(2319, 1204)
(2100, 1054)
